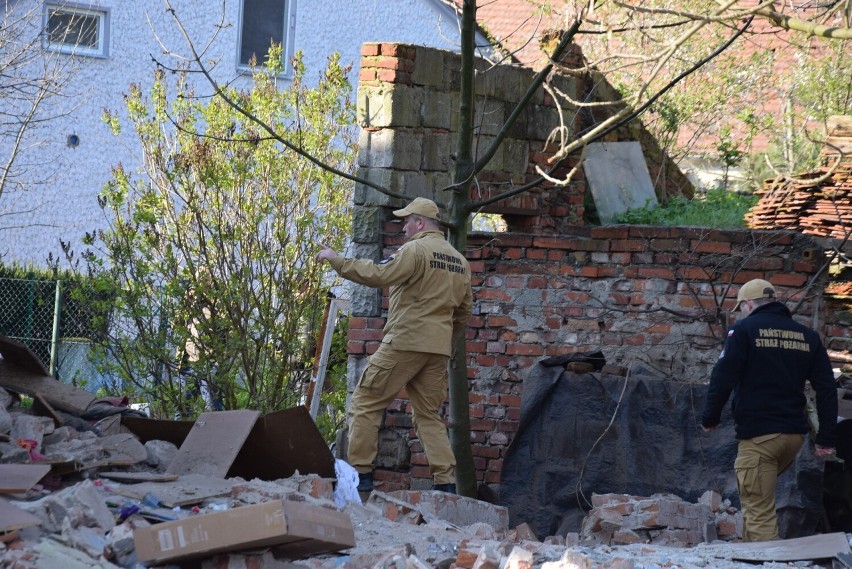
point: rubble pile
(88, 490)
(666, 519)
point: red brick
(370, 49)
(785, 279)
(499, 320)
(365, 334)
(692, 274)
(524, 350)
(397, 50)
(668, 244)
(492, 294)
(659, 328)
(513, 253)
(656, 273)
(510, 400)
(482, 425)
(650, 232)
(627, 245)
(611, 232)
(710, 247)
(354, 347)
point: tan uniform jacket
(430, 295)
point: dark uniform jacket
(430, 295)
(766, 359)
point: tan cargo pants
(424, 377)
(759, 462)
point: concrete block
(457, 510)
(160, 454)
(387, 148)
(366, 224)
(30, 427)
(441, 111)
(712, 499)
(354, 368)
(516, 156)
(77, 506)
(367, 195)
(429, 66)
(489, 116)
(366, 301)
(540, 121)
(436, 151)
(413, 185)
(396, 107)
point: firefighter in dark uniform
(430, 302)
(765, 362)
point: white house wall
(65, 205)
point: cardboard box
(296, 528)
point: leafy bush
(717, 208)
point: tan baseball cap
(753, 289)
(420, 206)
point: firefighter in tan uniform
(430, 302)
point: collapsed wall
(655, 298)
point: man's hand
(710, 429)
(327, 253)
(823, 452)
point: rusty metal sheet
(213, 443)
(281, 443)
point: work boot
(448, 488)
(365, 482)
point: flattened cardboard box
(296, 527)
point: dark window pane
(71, 28)
(263, 23)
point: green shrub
(717, 209)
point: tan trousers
(759, 462)
(424, 377)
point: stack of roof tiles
(817, 202)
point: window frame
(102, 15)
(287, 45)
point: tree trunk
(459, 211)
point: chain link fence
(42, 315)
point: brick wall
(650, 298)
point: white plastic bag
(347, 484)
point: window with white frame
(264, 22)
(76, 30)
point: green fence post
(28, 321)
(54, 337)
